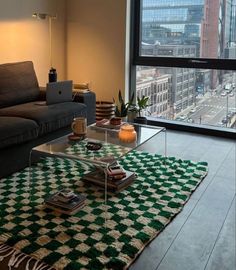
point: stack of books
(115, 172)
(65, 201)
(117, 178)
(81, 88)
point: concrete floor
(203, 235)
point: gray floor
(203, 235)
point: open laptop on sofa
(58, 92)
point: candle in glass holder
(127, 133)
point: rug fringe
(27, 265)
(13, 259)
(17, 257)
(21, 259)
(4, 249)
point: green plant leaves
(122, 108)
(142, 104)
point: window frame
(175, 62)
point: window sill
(195, 128)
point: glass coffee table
(102, 148)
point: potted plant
(122, 107)
(141, 105)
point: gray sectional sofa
(23, 122)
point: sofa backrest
(18, 83)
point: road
(211, 109)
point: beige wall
(90, 47)
(25, 38)
(96, 45)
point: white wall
(25, 38)
(96, 32)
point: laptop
(58, 92)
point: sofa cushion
(48, 117)
(18, 83)
(15, 130)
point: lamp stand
(52, 75)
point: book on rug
(97, 177)
(65, 201)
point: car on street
(227, 87)
(231, 94)
(223, 94)
(181, 117)
(231, 113)
(190, 120)
(193, 110)
(220, 124)
(224, 120)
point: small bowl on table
(116, 121)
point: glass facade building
(172, 21)
(188, 29)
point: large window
(185, 57)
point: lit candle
(127, 133)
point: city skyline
(187, 29)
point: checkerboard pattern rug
(107, 150)
(135, 216)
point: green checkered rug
(135, 216)
(108, 149)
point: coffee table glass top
(112, 148)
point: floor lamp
(52, 75)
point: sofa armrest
(89, 99)
(42, 93)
